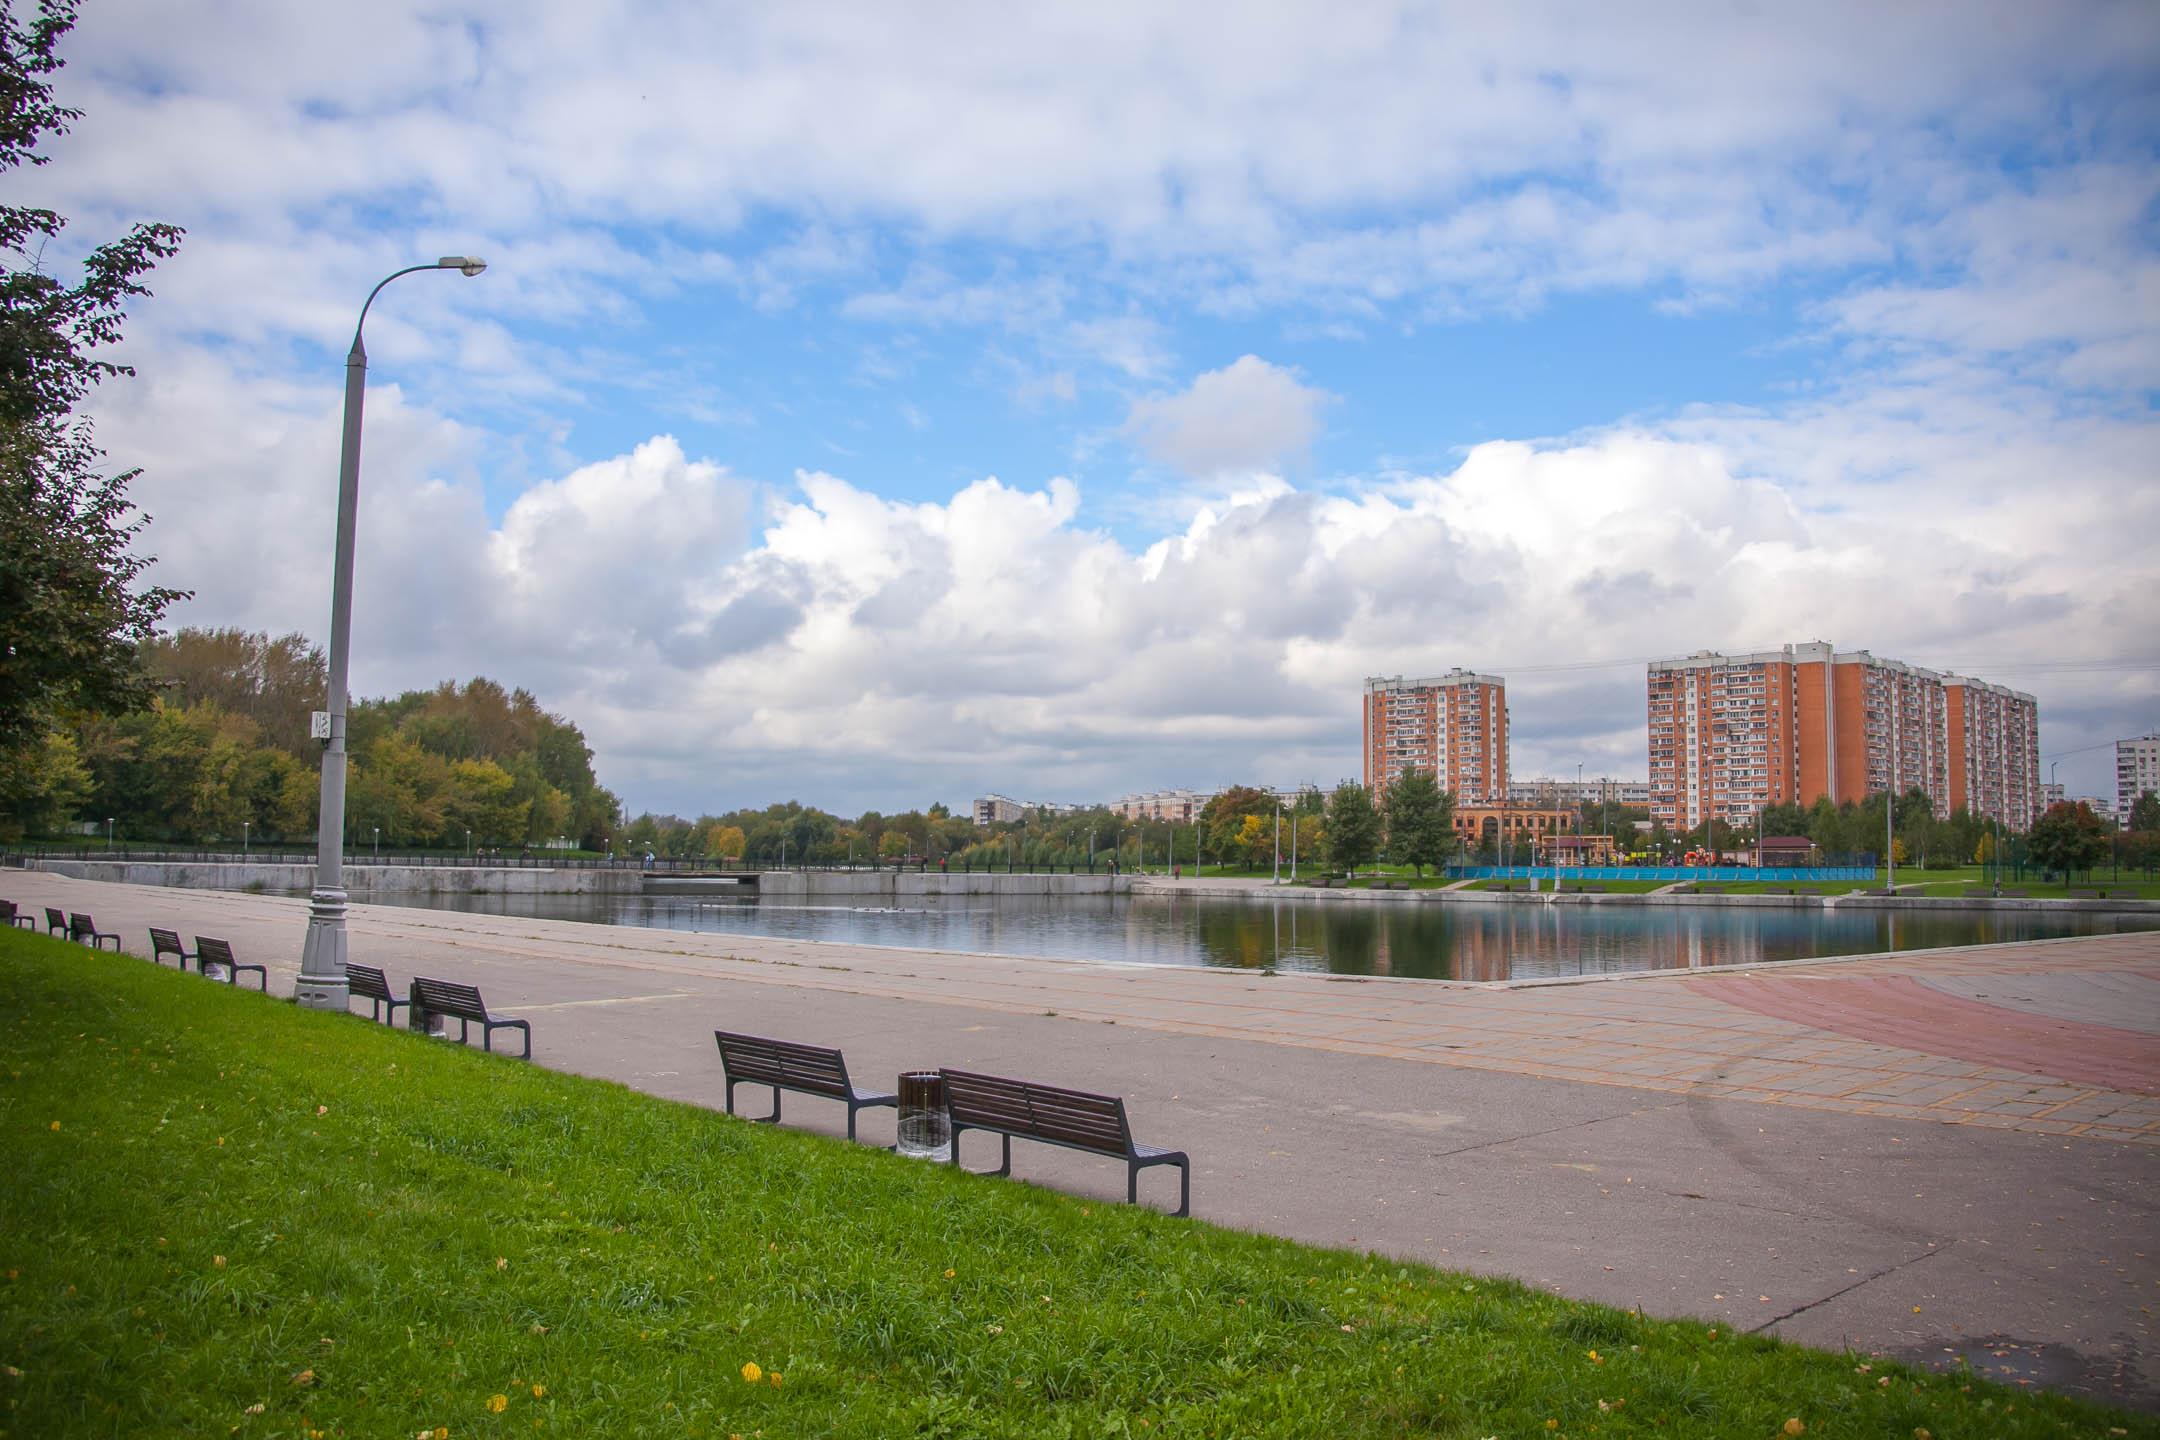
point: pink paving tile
(1900, 1011)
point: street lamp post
(378, 844)
(243, 839)
(1278, 842)
(322, 985)
(108, 832)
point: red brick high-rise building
(1453, 726)
(1730, 734)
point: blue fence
(1782, 874)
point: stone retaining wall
(362, 880)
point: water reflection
(1466, 940)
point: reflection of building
(1004, 810)
(1505, 825)
(2137, 770)
(1575, 850)
(1730, 734)
(1452, 726)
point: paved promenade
(1942, 1154)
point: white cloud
(1248, 416)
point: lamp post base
(322, 984)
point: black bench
(14, 915)
(1071, 1118)
(461, 1003)
(365, 982)
(209, 952)
(785, 1065)
(167, 942)
(55, 922)
(83, 928)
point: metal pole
(1889, 830)
(1278, 842)
(322, 984)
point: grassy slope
(197, 1238)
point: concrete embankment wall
(362, 881)
(900, 885)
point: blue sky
(874, 407)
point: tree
(1420, 820)
(724, 842)
(1224, 818)
(2144, 813)
(1353, 826)
(2068, 838)
(72, 617)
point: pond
(1459, 940)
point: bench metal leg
(1003, 1169)
(1184, 1169)
(771, 1119)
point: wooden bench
(55, 922)
(209, 952)
(83, 928)
(167, 942)
(2088, 894)
(1071, 1118)
(365, 982)
(786, 1065)
(461, 1003)
(15, 915)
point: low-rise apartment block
(1180, 807)
(1453, 726)
(1004, 810)
(1548, 791)
(1730, 734)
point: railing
(1782, 874)
(280, 855)
(20, 855)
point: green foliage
(42, 785)
(224, 752)
(1353, 826)
(277, 683)
(1420, 821)
(220, 1202)
(2068, 838)
(1223, 819)
(2144, 813)
(72, 616)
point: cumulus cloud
(1248, 416)
(724, 640)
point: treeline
(1413, 822)
(222, 753)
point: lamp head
(469, 264)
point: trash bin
(925, 1133)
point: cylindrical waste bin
(925, 1134)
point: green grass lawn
(223, 1216)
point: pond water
(1463, 940)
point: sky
(872, 405)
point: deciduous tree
(1420, 820)
(73, 617)
(1353, 826)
